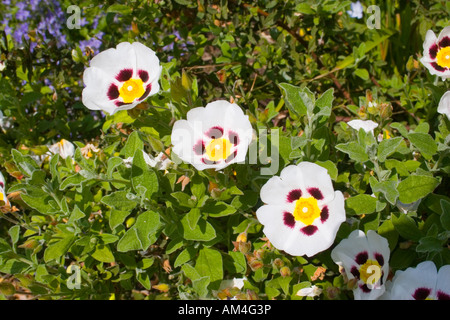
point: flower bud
(285, 272)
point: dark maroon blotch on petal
(438, 67)
(143, 75)
(124, 75)
(233, 137)
(355, 272)
(206, 161)
(421, 293)
(380, 259)
(113, 92)
(361, 257)
(309, 230)
(365, 288)
(288, 219)
(443, 296)
(294, 195)
(199, 148)
(316, 193)
(2, 185)
(214, 133)
(445, 42)
(120, 103)
(324, 214)
(146, 93)
(231, 156)
(433, 51)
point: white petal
(315, 176)
(430, 40)
(444, 104)
(366, 125)
(405, 283)
(444, 33)
(443, 280)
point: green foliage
(133, 231)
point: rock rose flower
(423, 282)
(212, 137)
(436, 53)
(444, 104)
(120, 78)
(365, 259)
(302, 212)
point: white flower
(364, 258)
(423, 282)
(160, 162)
(214, 136)
(120, 78)
(444, 104)
(3, 198)
(2, 66)
(436, 53)
(232, 283)
(356, 10)
(64, 148)
(309, 292)
(366, 125)
(302, 212)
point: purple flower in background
(20, 32)
(94, 43)
(22, 14)
(356, 10)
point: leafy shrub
(104, 223)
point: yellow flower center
(443, 57)
(370, 272)
(306, 210)
(131, 89)
(218, 149)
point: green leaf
(218, 209)
(133, 144)
(56, 249)
(424, 143)
(331, 168)
(406, 227)
(388, 147)
(25, 163)
(112, 164)
(103, 253)
(354, 150)
(142, 234)
(119, 200)
(293, 100)
(325, 103)
(119, 8)
(14, 233)
(192, 217)
(143, 175)
(361, 204)
(186, 255)
(430, 244)
(388, 189)
(239, 262)
(53, 167)
(362, 73)
(76, 214)
(416, 187)
(445, 216)
(73, 180)
(209, 264)
(203, 231)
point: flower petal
(444, 104)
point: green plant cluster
(300, 68)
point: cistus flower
(3, 198)
(423, 282)
(365, 261)
(367, 125)
(436, 53)
(302, 212)
(64, 148)
(120, 78)
(356, 10)
(444, 104)
(212, 137)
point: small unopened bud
(385, 110)
(285, 272)
(242, 237)
(255, 264)
(244, 247)
(259, 253)
(278, 263)
(332, 292)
